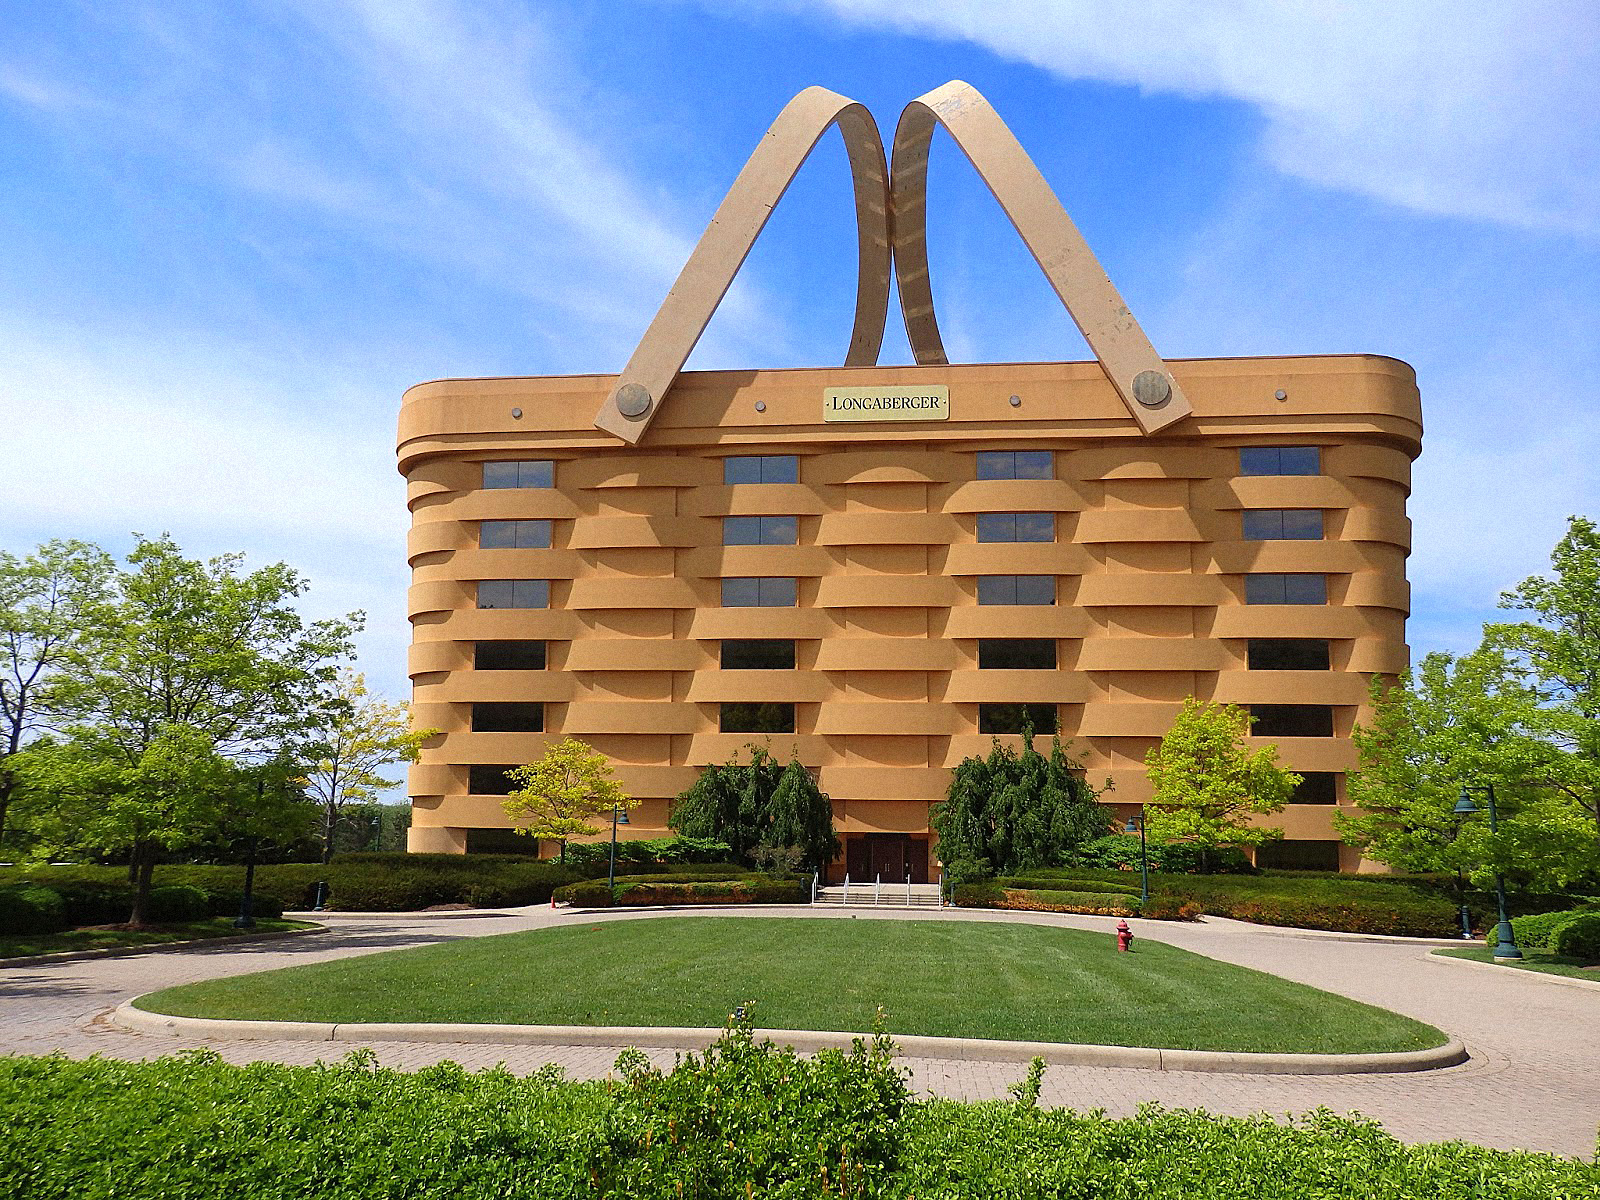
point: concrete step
(921, 895)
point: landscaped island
(941, 978)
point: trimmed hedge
(1578, 937)
(31, 909)
(640, 890)
(1071, 883)
(1536, 931)
(741, 1120)
(993, 895)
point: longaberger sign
(886, 404)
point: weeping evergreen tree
(1009, 812)
(758, 804)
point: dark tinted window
(508, 718)
(1316, 787)
(1287, 654)
(490, 781)
(524, 474)
(514, 593)
(1016, 589)
(761, 468)
(1016, 527)
(758, 654)
(1285, 589)
(1298, 856)
(1280, 460)
(760, 531)
(1011, 718)
(513, 535)
(756, 718)
(1291, 720)
(508, 656)
(1282, 524)
(759, 592)
(1016, 464)
(1016, 654)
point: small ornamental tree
(1207, 783)
(759, 806)
(1009, 812)
(560, 792)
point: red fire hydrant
(1124, 937)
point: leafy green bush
(31, 909)
(595, 857)
(645, 889)
(1578, 937)
(178, 903)
(1080, 902)
(1176, 858)
(1048, 881)
(742, 1120)
(225, 903)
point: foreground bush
(650, 889)
(742, 1120)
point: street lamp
(1505, 941)
(1144, 857)
(619, 816)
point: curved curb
(227, 939)
(1517, 972)
(806, 1041)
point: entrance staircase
(876, 894)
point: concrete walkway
(1533, 1081)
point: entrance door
(889, 856)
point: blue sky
(232, 235)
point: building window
(1016, 589)
(1282, 524)
(1316, 787)
(1287, 654)
(508, 718)
(1016, 527)
(1285, 589)
(490, 781)
(1291, 720)
(766, 717)
(1016, 654)
(1280, 460)
(760, 531)
(513, 593)
(513, 535)
(761, 468)
(1012, 718)
(508, 656)
(757, 654)
(1016, 464)
(762, 592)
(537, 473)
(1298, 856)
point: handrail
(877, 891)
(635, 400)
(847, 887)
(813, 887)
(908, 889)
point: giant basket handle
(721, 251)
(1129, 360)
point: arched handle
(1130, 362)
(722, 249)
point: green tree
(179, 666)
(42, 598)
(1207, 783)
(758, 806)
(1556, 655)
(562, 790)
(1011, 811)
(357, 735)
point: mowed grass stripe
(948, 979)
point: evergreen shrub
(31, 909)
(177, 904)
(646, 889)
(1578, 937)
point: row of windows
(994, 654)
(1259, 524)
(781, 591)
(991, 464)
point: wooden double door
(889, 856)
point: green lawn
(952, 979)
(20, 945)
(1532, 960)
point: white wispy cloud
(1485, 111)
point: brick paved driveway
(1533, 1081)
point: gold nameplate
(886, 404)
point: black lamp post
(1144, 857)
(1505, 940)
(619, 816)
